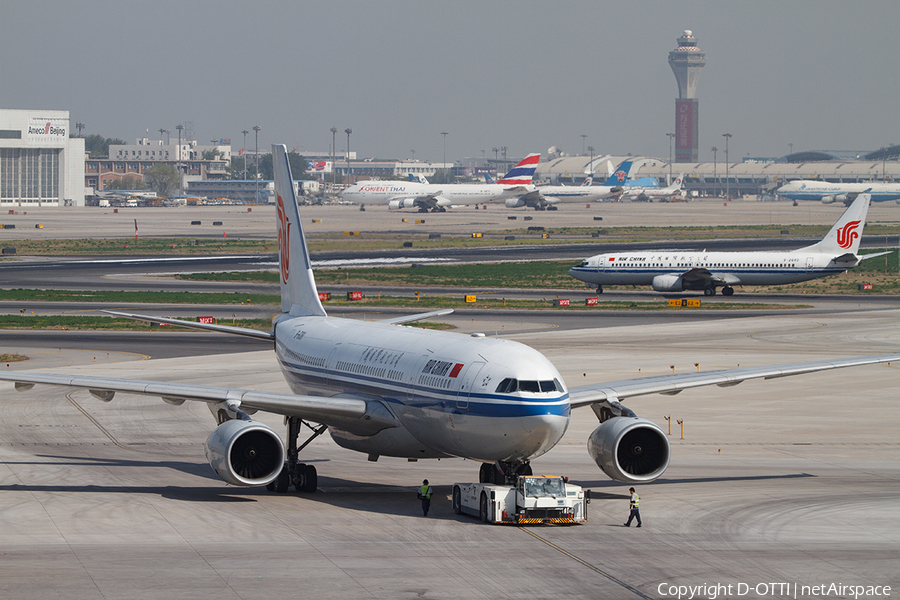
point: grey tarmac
(788, 480)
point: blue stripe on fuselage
(485, 405)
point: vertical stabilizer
(299, 295)
(522, 173)
(846, 234)
(620, 176)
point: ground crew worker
(425, 495)
(634, 503)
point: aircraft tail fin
(846, 234)
(522, 173)
(679, 181)
(589, 180)
(488, 178)
(620, 175)
(299, 295)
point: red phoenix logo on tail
(284, 240)
(847, 233)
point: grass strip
(107, 323)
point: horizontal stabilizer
(254, 333)
(868, 256)
(848, 257)
(418, 317)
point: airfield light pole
(348, 131)
(591, 164)
(583, 138)
(256, 129)
(180, 128)
(505, 166)
(671, 136)
(79, 127)
(244, 152)
(445, 133)
(715, 149)
(333, 170)
(790, 149)
(727, 136)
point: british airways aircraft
(437, 197)
(387, 390)
(838, 192)
(678, 270)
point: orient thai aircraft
(437, 197)
(386, 390)
(677, 270)
(640, 193)
(838, 192)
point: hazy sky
(818, 74)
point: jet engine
(668, 283)
(245, 452)
(514, 202)
(405, 203)
(835, 198)
(629, 449)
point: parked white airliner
(548, 196)
(643, 194)
(386, 390)
(838, 192)
(437, 197)
(679, 270)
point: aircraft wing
(255, 333)
(703, 274)
(361, 415)
(586, 395)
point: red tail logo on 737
(284, 240)
(847, 233)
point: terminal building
(40, 165)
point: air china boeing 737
(386, 390)
(678, 270)
(438, 197)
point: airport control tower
(686, 61)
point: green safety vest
(425, 491)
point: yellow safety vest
(425, 491)
(635, 500)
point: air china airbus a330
(386, 390)
(437, 197)
(678, 270)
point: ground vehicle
(534, 499)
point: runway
(791, 480)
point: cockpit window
(507, 386)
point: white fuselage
(573, 193)
(734, 268)
(442, 387)
(819, 190)
(385, 192)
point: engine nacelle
(668, 283)
(630, 449)
(514, 203)
(245, 452)
(828, 199)
(405, 203)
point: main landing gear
(599, 289)
(503, 473)
(711, 291)
(303, 477)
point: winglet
(299, 295)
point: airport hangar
(40, 165)
(750, 177)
